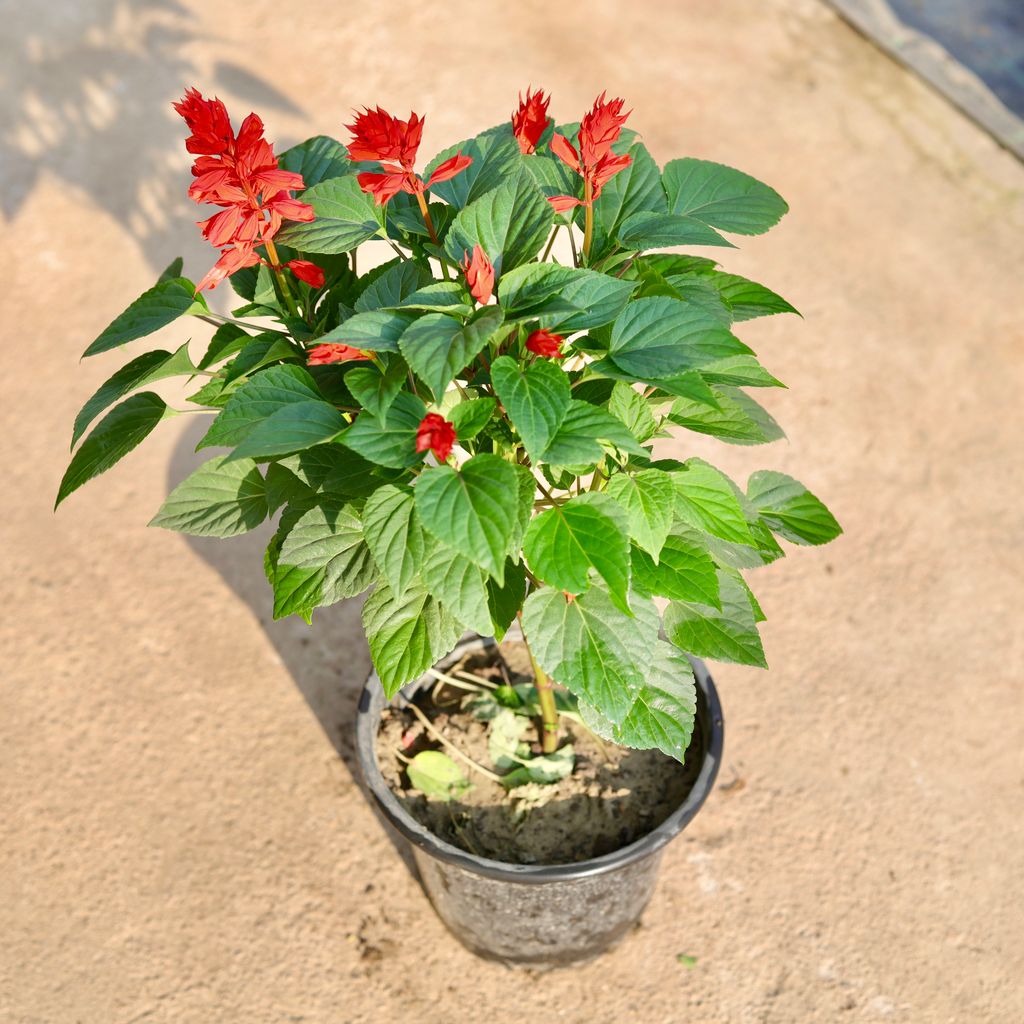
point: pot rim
(372, 702)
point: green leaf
(376, 391)
(721, 196)
(789, 509)
(111, 439)
(627, 404)
(663, 712)
(564, 543)
(469, 418)
(536, 398)
(563, 298)
(293, 427)
(739, 371)
(659, 336)
(458, 584)
(335, 470)
(474, 510)
(585, 426)
(510, 223)
(220, 499)
(649, 499)
(172, 270)
(436, 775)
(393, 535)
(145, 369)
(316, 159)
(505, 601)
(256, 401)
(541, 769)
(725, 634)
(407, 634)
(737, 420)
(747, 299)
(705, 498)
(156, 308)
(635, 189)
(345, 217)
(440, 297)
(496, 159)
(592, 647)
(323, 559)
(438, 347)
(684, 571)
(226, 341)
(375, 331)
(264, 350)
(650, 230)
(687, 385)
(393, 444)
(393, 286)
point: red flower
(530, 120)
(595, 161)
(437, 434)
(240, 174)
(479, 274)
(330, 352)
(376, 135)
(308, 272)
(546, 344)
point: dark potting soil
(612, 798)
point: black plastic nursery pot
(536, 915)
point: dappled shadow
(85, 96)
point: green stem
(588, 219)
(546, 700)
(551, 242)
(425, 210)
(286, 292)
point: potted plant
(463, 427)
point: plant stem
(572, 245)
(551, 242)
(425, 210)
(286, 292)
(588, 219)
(546, 700)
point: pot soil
(551, 876)
(612, 798)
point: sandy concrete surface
(181, 838)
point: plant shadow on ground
(85, 97)
(328, 662)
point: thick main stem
(588, 219)
(286, 292)
(546, 700)
(428, 221)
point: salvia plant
(465, 429)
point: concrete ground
(182, 840)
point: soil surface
(612, 798)
(183, 840)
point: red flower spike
(530, 120)
(330, 352)
(378, 136)
(599, 131)
(479, 275)
(208, 122)
(240, 174)
(436, 434)
(544, 343)
(308, 272)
